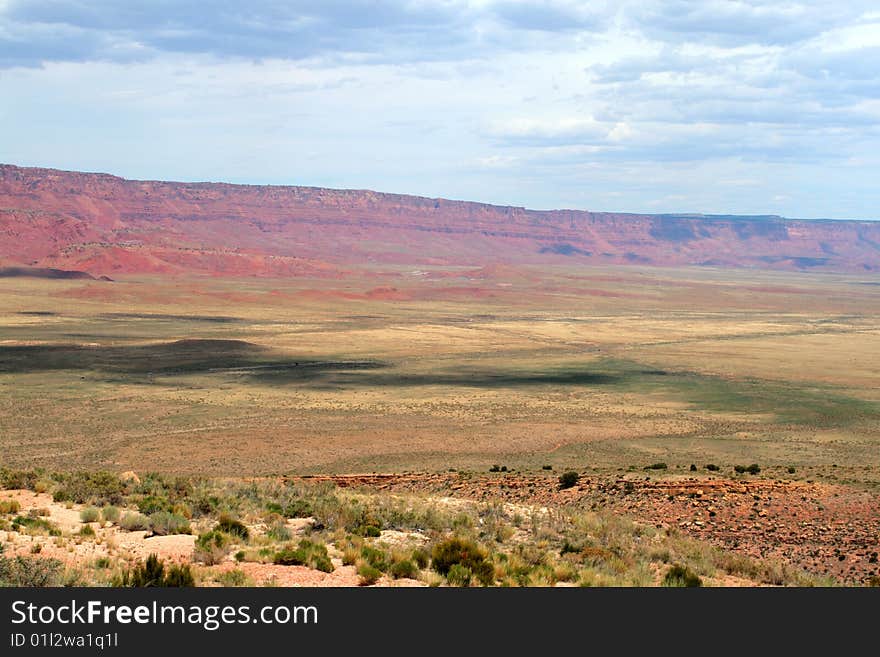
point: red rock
(106, 225)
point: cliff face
(107, 225)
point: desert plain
(481, 385)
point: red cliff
(107, 225)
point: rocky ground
(824, 529)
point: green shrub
(234, 577)
(9, 506)
(90, 514)
(791, 469)
(154, 503)
(229, 525)
(179, 576)
(464, 552)
(307, 553)
(656, 466)
(290, 556)
(546, 467)
(165, 524)
(12, 479)
(35, 524)
(459, 575)
(152, 573)
(754, 468)
(404, 569)
(369, 531)
(89, 487)
(211, 547)
(134, 522)
(110, 513)
(279, 531)
(30, 571)
(376, 557)
(693, 467)
(86, 530)
(681, 576)
(368, 574)
(297, 508)
(568, 479)
(420, 557)
(711, 467)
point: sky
(713, 106)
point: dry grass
(679, 366)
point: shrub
(153, 503)
(307, 553)
(86, 530)
(375, 557)
(30, 571)
(211, 547)
(233, 577)
(9, 506)
(420, 557)
(459, 575)
(791, 469)
(464, 552)
(229, 525)
(10, 479)
(297, 508)
(83, 487)
(370, 531)
(110, 513)
(568, 479)
(656, 466)
(404, 569)
(754, 468)
(711, 467)
(165, 524)
(179, 576)
(693, 467)
(35, 524)
(368, 574)
(290, 557)
(279, 532)
(89, 514)
(152, 573)
(546, 467)
(134, 522)
(682, 576)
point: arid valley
(720, 413)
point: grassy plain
(402, 370)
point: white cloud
(690, 106)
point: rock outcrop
(106, 225)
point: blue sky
(712, 106)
